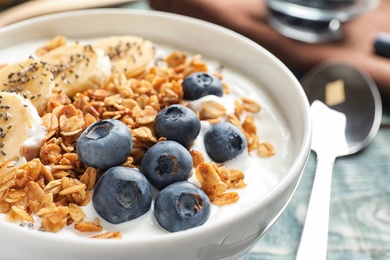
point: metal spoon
(342, 125)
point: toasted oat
(197, 157)
(54, 227)
(50, 153)
(6, 174)
(73, 189)
(238, 108)
(144, 137)
(50, 122)
(147, 115)
(70, 126)
(54, 217)
(235, 179)
(89, 178)
(250, 105)
(4, 207)
(225, 198)
(109, 235)
(57, 184)
(53, 187)
(76, 213)
(232, 118)
(19, 214)
(226, 87)
(34, 191)
(253, 141)
(176, 59)
(212, 110)
(266, 149)
(15, 196)
(89, 226)
(215, 181)
(209, 179)
(249, 125)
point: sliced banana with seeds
(129, 54)
(30, 78)
(21, 131)
(78, 67)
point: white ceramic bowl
(227, 239)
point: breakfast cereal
(56, 185)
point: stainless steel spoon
(346, 111)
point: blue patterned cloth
(359, 222)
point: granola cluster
(56, 185)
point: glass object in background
(323, 4)
(315, 20)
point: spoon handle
(314, 239)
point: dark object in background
(9, 3)
(382, 44)
(323, 4)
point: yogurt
(261, 174)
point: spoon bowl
(346, 110)
(362, 106)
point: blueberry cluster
(179, 205)
(223, 141)
(122, 193)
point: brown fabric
(248, 17)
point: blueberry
(105, 144)
(177, 123)
(382, 44)
(122, 194)
(166, 162)
(181, 206)
(200, 84)
(224, 141)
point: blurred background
(9, 3)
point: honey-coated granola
(55, 185)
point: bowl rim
(291, 175)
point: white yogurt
(36, 134)
(261, 174)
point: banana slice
(21, 132)
(129, 54)
(30, 78)
(77, 67)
